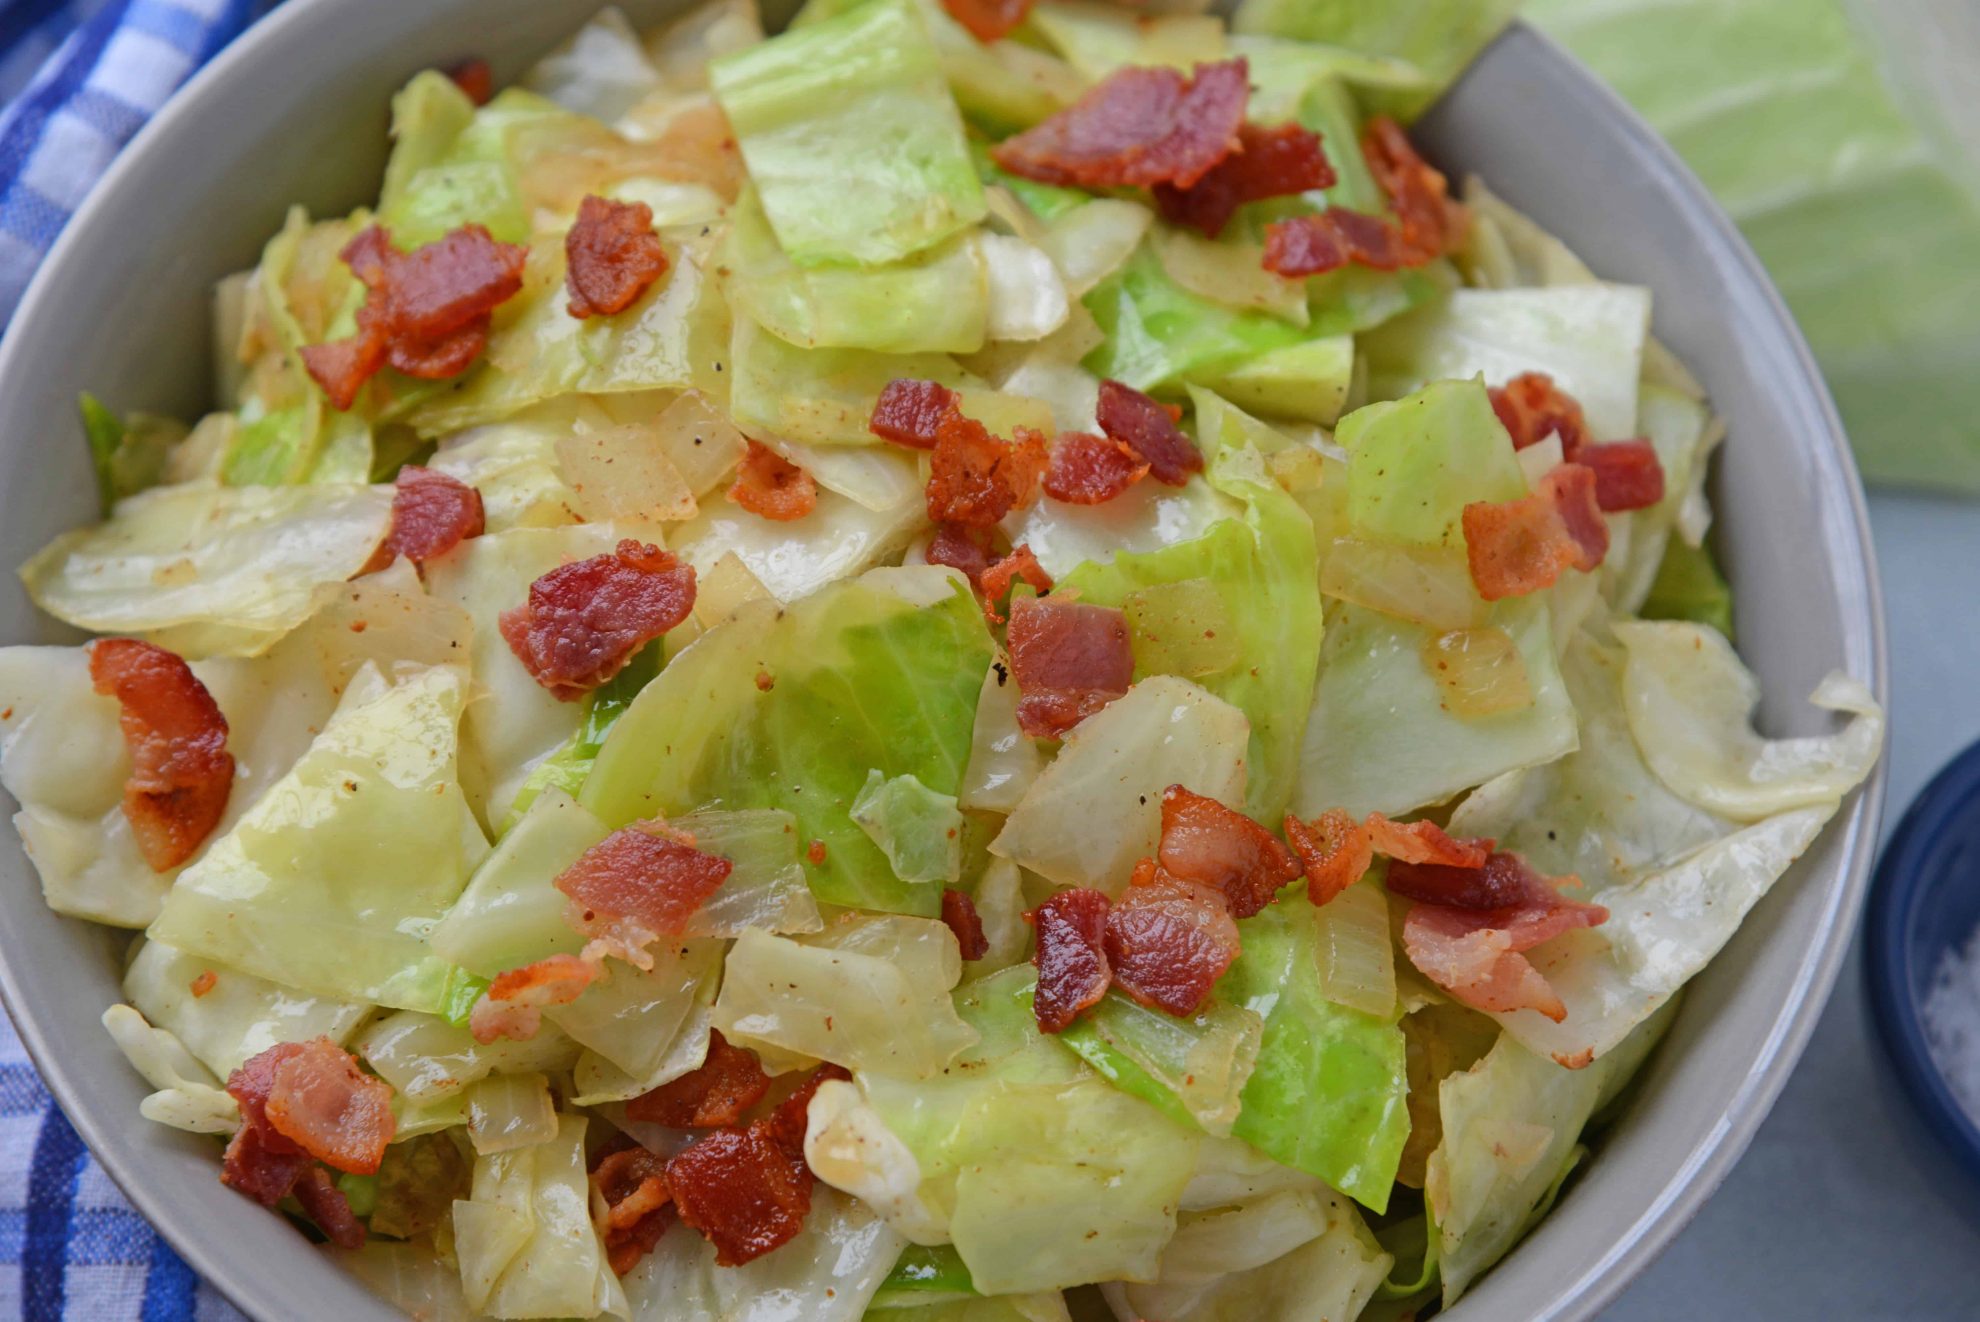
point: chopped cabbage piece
(1193, 1068)
(879, 673)
(410, 1277)
(510, 914)
(859, 96)
(237, 1015)
(602, 71)
(818, 396)
(1690, 702)
(630, 1017)
(331, 881)
(508, 1111)
(919, 830)
(130, 454)
(188, 1095)
(766, 886)
(1148, 516)
(1415, 463)
(1097, 806)
(1439, 37)
(848, 1146)
(841, 538)
(1099, 39)
(427, 1059)
(1003, 760)
(208, 570)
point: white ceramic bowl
(296, 111)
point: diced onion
(1357, 957)
(1479, 672)
(1429, 585)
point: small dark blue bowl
(1924, 902)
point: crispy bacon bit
(959, 912)
(181, 771)
(988, 20)
(1532, 408)
(431, 515)
(997, 579)
(1071, 956)
(322, 1102)
(204, 983)
(1169, 940)
(772, 487)
(513, 1004)
(1274, 162)
(1333, 848)
(1628, 474)
(1092, 470)
(1139, 126)
(611, 256)
(966, 550)
(327, 1206)
(1318, 242)
(583, 622)
(426, 311)
(976, 478)
(1477, 954)
(491, 1020)
(1521, 546)
(260, 1162)
(742, 1190)
(474, 77)
(1211, 845)
(815, 851)
(793, 1115)
(631, 1180)
(1150, 429)
(714, 1094)
(911, 412)
(1431, 224)
(1501, 881)
(638, 884)
(1070, 660)
(1424, 842)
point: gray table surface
(1835, 1212)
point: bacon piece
(1169, 940)
(1150, 429)
(1333, 848)
(583, 621)
(1211, 845)
(1071, 956)
(911, 412)
(772, 487)
(638, 884)
(1318, 242)
(1274, 162)
(329, 1208)
(611, 256)
(793, 1115)
(975, 478)
(1424, 842)
(1070, 660)
(714, 1094)
(1532, 408)
(1521, 546)
(513, 1004)
(426, 312)
(996, 580)
(961, 548)
(431, 515)
(1139, 126)
(322, 1102)
(181, 771)
(204, 983)
(1092, 470)
(1501, 881)
(1429, 222)
(988, 20)
(1477, 954)
(959, 913)
(742, 1190)
(491, 1020)
(631, 1180)
(262, 1164)
(474, 77)
(1628, 474)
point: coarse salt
(1951, 1013)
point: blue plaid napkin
(78, 78)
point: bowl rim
(1912, 864)
(1691, 1182)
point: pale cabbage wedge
(791, 710)
(842, 537)
(1003, 760)
(919, 830)
(1381, 739)
(513, 464)
(188, 1096)
(1146, 517)
(512, 722)
(426, 1059)
(510, 913)
(414, 1280)
(1097, 806)
(1690, 701)
(1588, 338)
(828, 1273)
(1512, 1123)
(1437, 37)
(509, 1111)
(858, 96)
(1000, 906)
(629, 1018)
(880, 478)
(848, 1146)
(1681, 430)
(1290, 1256)
(596, 1081)
(601, 71)
(524, 1237)
(765, 887)
(1098, 39)
(238, 1015)
(207, 570)
(873, 995)
(1193, 1067)
(1415, 463)
(332, 879)
(1230, 1171)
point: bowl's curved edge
(1857, 825)
(1688, 1186)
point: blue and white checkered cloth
(78, 78)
